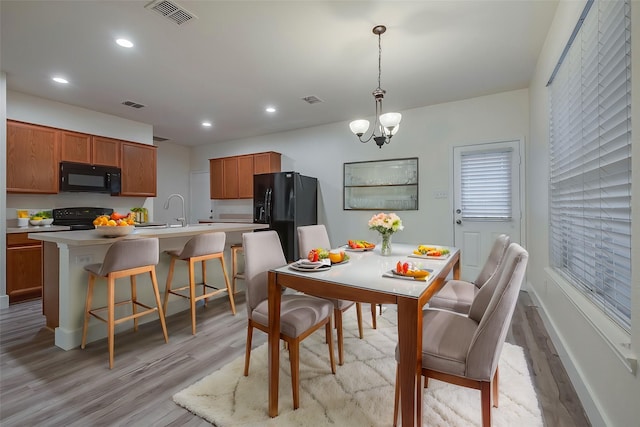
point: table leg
(274, 342)
(410, 346)
(456, 269)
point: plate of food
(311, 266)
(359, 246)
(407, 270)
(338, 256)
(431, 252)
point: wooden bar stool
(235, 248)
(199, 248)
(124, 258)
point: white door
(487, 187)
(199, 200)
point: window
(485, 185)
(590, 159)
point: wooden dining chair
(315, 236)
(300, 315)
(465, 349)
(457, 295)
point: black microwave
(80, 177)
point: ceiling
(237, 57)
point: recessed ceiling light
(270, 109)
(124, 43)
(60, 80)
(207, 124)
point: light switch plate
(440, 194)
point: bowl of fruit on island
(114, 225)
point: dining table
(368, 276)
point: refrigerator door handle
(268, 205)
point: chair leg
(247, 352)
(204, 281)
(294, 358)
(228, 285)
(485, 403)
(396, 398)
(192, 295)
(330, 344)
(359, 316)
(110, 316)
(134, 299)
(373, 316)
(156, 292)
(494, 386)
(337, 313)
(167, 288)
(87, 307)
(234, 268)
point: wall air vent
(159, 139)
(312, 99)
(133, 104)
(172, 11)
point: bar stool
(199, 248)
(124, 258)
(235, 248)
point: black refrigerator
(285, 201)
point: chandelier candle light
(386, 225)
(387, 123)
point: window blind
(590, 161)
(485, 191)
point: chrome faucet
(183, 219)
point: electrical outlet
(440, 194)
(84, 259)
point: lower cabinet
(24, 267)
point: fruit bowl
(35, 221)
(114, 231)
(46, 221)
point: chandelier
(386, 124)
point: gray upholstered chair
(465, 350)
(457, 295)
(300, 315)
(199, 248)
(124, 258)
(315, 236)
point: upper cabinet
(232, 177)
(105, 151)
(138, 170)
(32, 158)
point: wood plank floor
(42, 385)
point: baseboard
(590, 406)
(4, 301)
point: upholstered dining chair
(300, 315)
(457, 295)
(465, 350)
(315, 236)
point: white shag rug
(359, 394)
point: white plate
(445, 256)
(298, 267)
(341, 262)
(396, 275)
(347, 248)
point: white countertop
(37, 229)
(90, 237)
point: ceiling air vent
(132, 104)
(171, 11)
(159, 139)
(312, 99)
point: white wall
(4, 299)
(44, 112)
(173, 177)
(428, 133)
(589, 345)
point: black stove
(78, 218)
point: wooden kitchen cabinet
(138, 169)
(75, 147)
(245, 177)
(24, 267)
(232, 177)
(32, 158)
(105, 151)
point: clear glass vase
(385, 244)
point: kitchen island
(65, 280)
